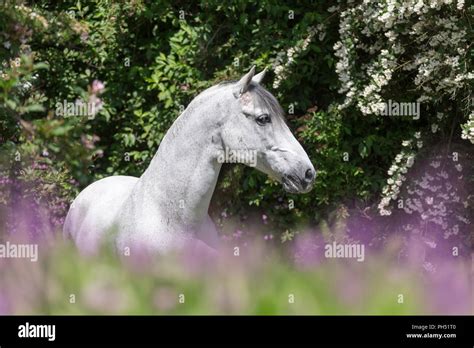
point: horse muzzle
(293, 183)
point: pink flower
(97, 87)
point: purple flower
(237, 234)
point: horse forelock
(263, 97)
(267, 99)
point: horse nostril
(309, 175)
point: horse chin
(292, 185)
(290, 188)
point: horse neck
(182, 176)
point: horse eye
(263, 119)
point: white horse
(167, 207)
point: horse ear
(244, 83)
(260, 76)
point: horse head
(254, 123)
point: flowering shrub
(37, 143)
(397, 172)
(414, 44)
(427, 41)
(468, 129)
